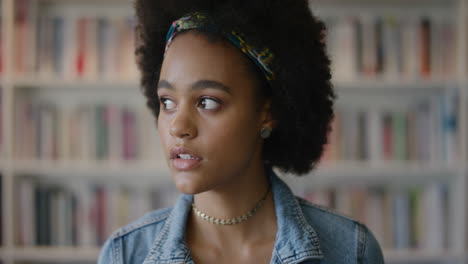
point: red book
(1, 49)
(425, 48)
(387, 137)
(20, 28)
(81, 49)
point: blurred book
(77, 213)
(400, 218)
(53, 45)
(88, 132)
(393, 47)
(425, 132)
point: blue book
(58, 44)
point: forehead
(191, 57)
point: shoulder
(337, 231)
(150, 220)
(141, 231)
(310, 209)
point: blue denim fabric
(306, 233)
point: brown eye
(208, 103)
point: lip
(183, 150)
(184, 164)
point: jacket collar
(295, 239)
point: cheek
(233, 135)
(163, 131)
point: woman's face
(210, 118)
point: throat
(260, 228)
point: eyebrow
(198, 85)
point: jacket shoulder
(338, 231)
(120, 247)
(308, 207)
(151, 220)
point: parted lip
(183, 150)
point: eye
(208, 103)
(167, 103)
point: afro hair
(301, 94)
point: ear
(267, 116)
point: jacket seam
(362, 243)
(187, 258)
(116, 252)
(299, 257)
(278, 256)
(161, 236)
(126, 230)
(305, 225)
(325, 209)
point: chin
(188, 184)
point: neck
(234, 200)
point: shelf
(350, 172)
(357, 6)
(394, 2)
(367, 173)
(144, 171)
(56, 254)
(20, 83)
(417, 256)
(365, 85)
(383, 85)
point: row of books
(87, 132)
(399, 217)
(1, 124)
(71, 213)
(85, 214)
(2, 57)
(426, 131)
(1, 210)
(392, 46)
(54, 45)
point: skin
(220, 120)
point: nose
(183, 124)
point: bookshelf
(67, 86)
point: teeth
(185, 156)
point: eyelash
(163, 99)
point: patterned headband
(263, 57)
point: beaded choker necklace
(232, 221)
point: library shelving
(77, 142)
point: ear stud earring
(265, 132)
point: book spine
(400, 217)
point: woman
(237, 88)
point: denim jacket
(306, 233)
